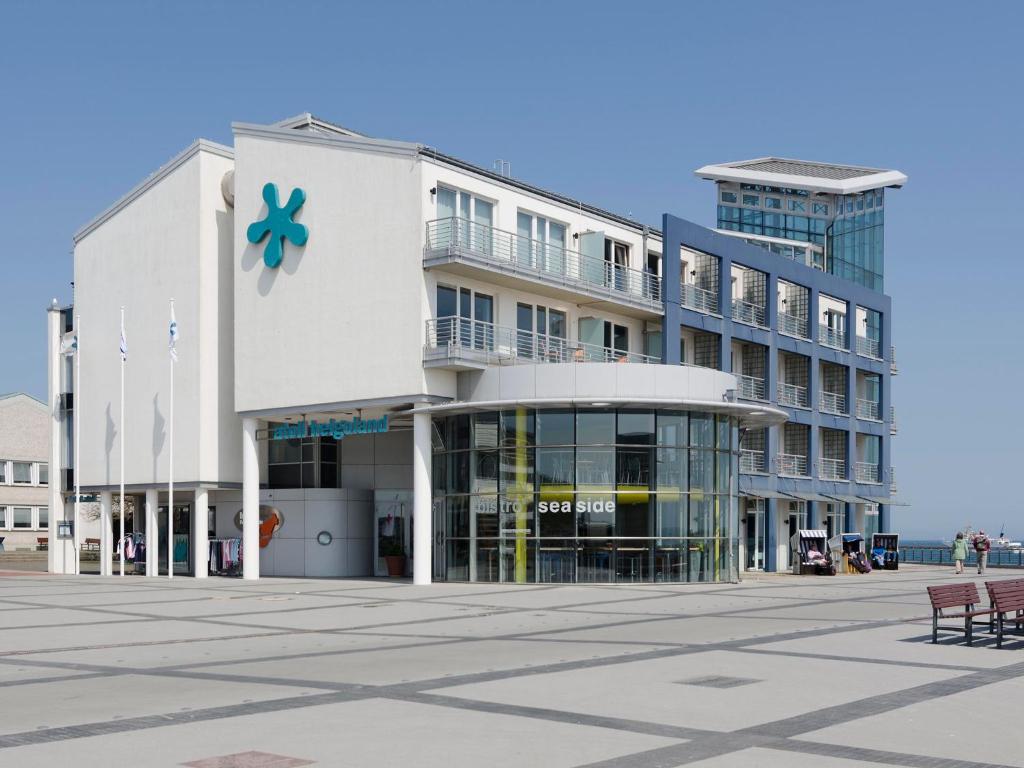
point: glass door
(183, 556)
(755, 535)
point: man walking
(981, 547)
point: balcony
(752, 461)
(791, 325)
(831, 469)
(698, 299)
(892, 361)
(869, 410)
(867, 473)
(480, 248)
(792, 465)
(792, 395)
(893, 429)
(869, 347)
(750, 387)
(830, 402)
(831, 337)
(892, 480)
(458, 343)
(745, 312)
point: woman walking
(959, 549)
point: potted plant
(394, 556)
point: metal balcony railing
(790, 325)
(792, 395)
(746, 312)
(869, 409)
(462, 338)
(892, 480)
(751, 461)
(537, 260)
(792, 465)
(698, 298)
(893, 429)
(831, 337)
(892, 361)
(750, 387)
(831, 469)
(867, 473)
(830, 402)
(869, 347)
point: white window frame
(31, 472)
(31, 517)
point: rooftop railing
(792, 395)
(751, 461)
(830, 402)
(865, 472)
(831, 337)
(464, 339)
(868, 409)
(792, 465)
(537, 260)
(869, 347)
(791, 325)
(747, 312)
(831, 469)
(699, 299)
(750, 387)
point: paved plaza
(775, 671)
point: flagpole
(77, 339)
(124, 357)
(170, 473)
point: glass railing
(751, 461)
(790, 325)
(745, 312)
(893, 429)
(866, 473)
(792, 465)
(869, 409)
(538, 260)
(699, 299)
(462, 338)
(831, 469)
(792, 395)
(750, 387)
(869, 347)
(831, 337)
(830, 402)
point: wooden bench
(91, 544)
(42, 542)
(992, 602)
(963, 596)
(1008, 604)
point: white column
(152, 533)
(201, 534)
(422, 514)
(250, 502)
(59, 552)
(106, 533)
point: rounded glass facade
(585, 495)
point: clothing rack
(134, 545)
(224, 557)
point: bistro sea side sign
(333, 428)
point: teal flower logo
(278, 224)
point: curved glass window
(585, 495)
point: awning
(760, 494)
(846, 498)
(887, 500)
(806, 496)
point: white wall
(171, 240)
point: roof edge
(197, 146)
(11, 395)
(363, 143)
(875, 179)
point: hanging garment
(180, 547)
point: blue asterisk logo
(278, 223)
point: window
(472, 219)
(44, 474)
(44, 517)
(751, 200)
(728, 197)
(3, 472)
(821, 209)
(773, 202)
(3, 518)
(616, 337)
(22, 473)
(22, 517)
(540, 243)
(797, 206)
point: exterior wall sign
(278, 224)
(333, 428)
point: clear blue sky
(614, 103)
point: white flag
(124, 342)
(173, 336)
(69, 345)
